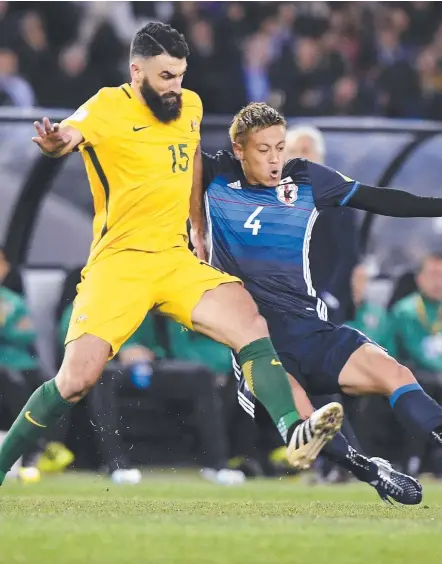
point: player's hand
(197, 238)
(51, 139)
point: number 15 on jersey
(253, 223)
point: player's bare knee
(82, 367)
(74, 382)
(251, 329)
(259, 327)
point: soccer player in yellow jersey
(140, 145)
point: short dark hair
(254, 117)
(156, 38)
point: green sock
(268, 381)
(43, 409)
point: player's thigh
(212, 302)
(370, 369)
(116, 292)
(229, 315)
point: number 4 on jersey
(256, 225)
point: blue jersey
(262, 235)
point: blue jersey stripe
(350, 194)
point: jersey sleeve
(214, 165)
(330, 187)
(210, 168)
(91, 119)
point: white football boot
(310, 436)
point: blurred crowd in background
(306, 58)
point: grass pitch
(178, 518)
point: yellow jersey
(140, 170)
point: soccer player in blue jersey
(260, 214)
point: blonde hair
(254, 117)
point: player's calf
(371, 370)
(83, 364)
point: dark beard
(165, 108)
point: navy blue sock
(339, 451)
(419, 413)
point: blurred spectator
(416, 326)
(416, 320)
(346, 99)
(423, 18)
(256, 68)
(185, 16)
(368, 317)
(37, 59)
(305, 142)
(14, 89)
(312, 18)
(302, 76)
(20, 375)
(335, 61)
(78, 80)
(399, 92)
(10, 277)
(235, 25)
(9, 28)
(17, 333)
(309, 58)
(203, 73)
(429, 67)
(334, 245)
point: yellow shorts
(119, 287)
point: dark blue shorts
(313, 351)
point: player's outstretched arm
(196, 214)
(55, 141)
(394, 203)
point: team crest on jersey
(193, 125)
(287, 194)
